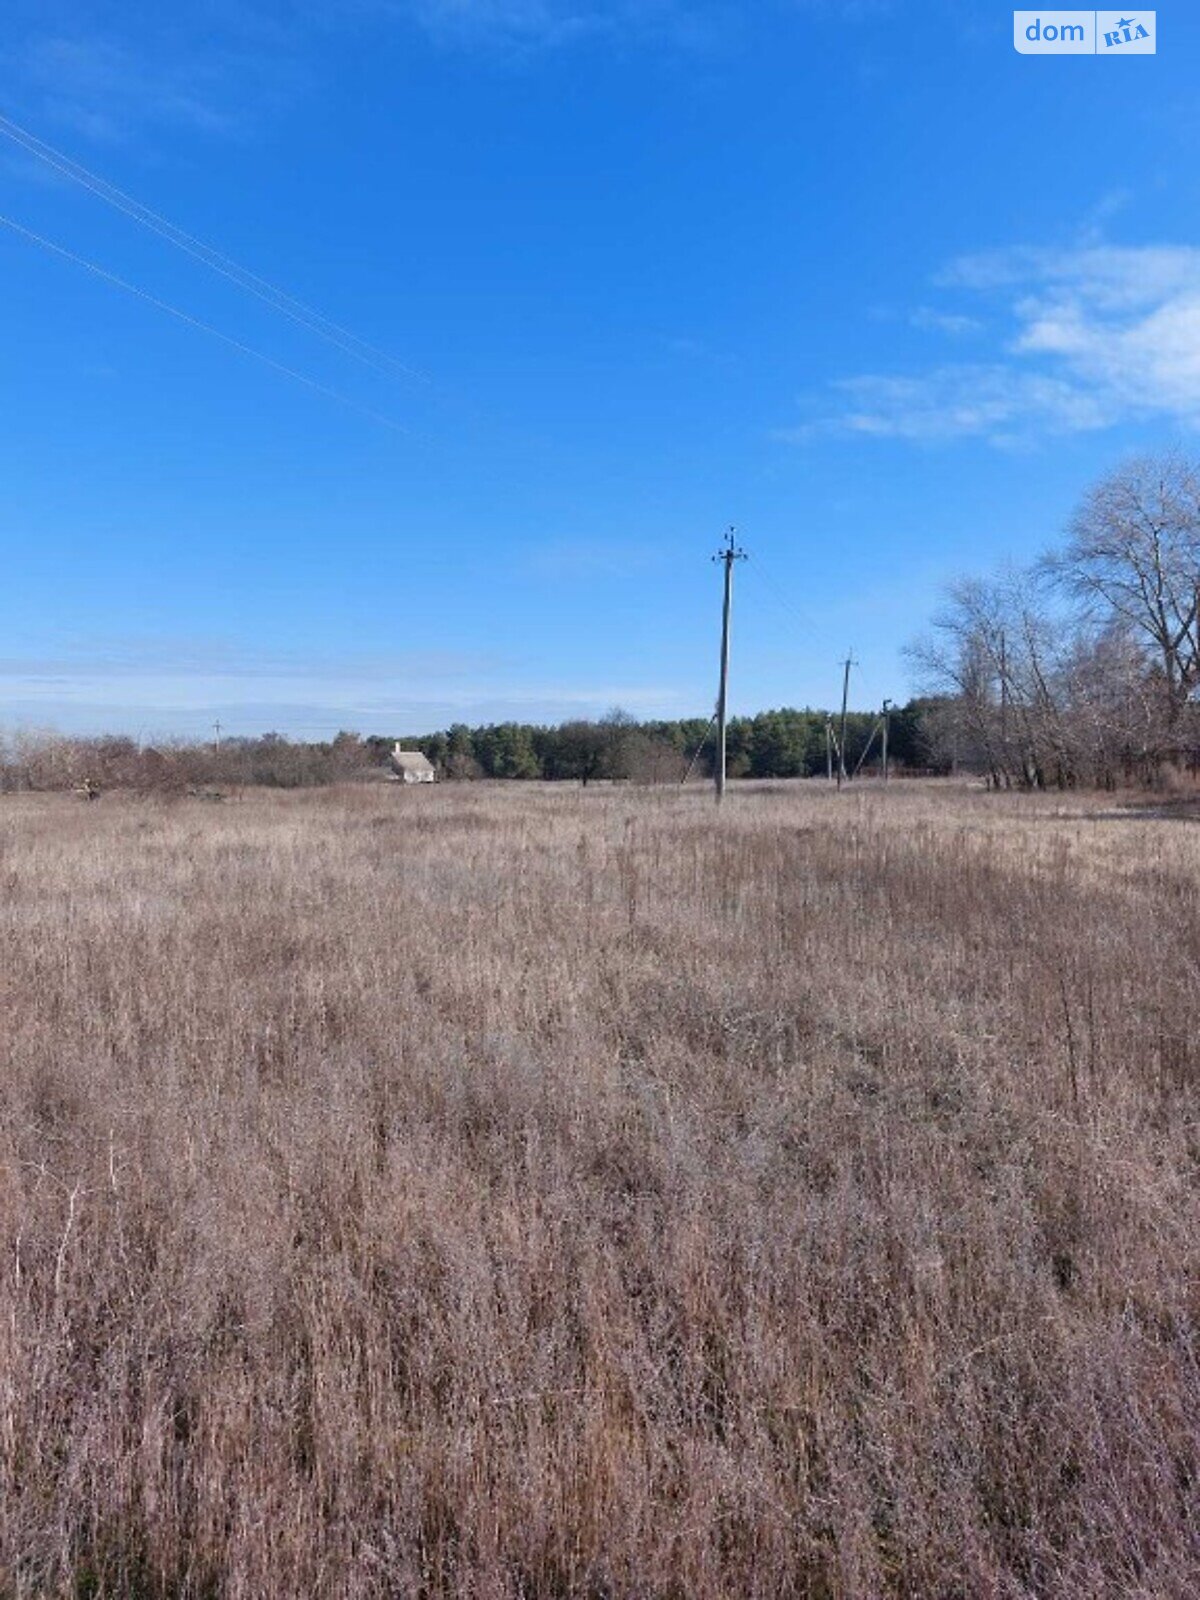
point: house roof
(410, 761)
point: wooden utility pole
(726, 555)
(887, 718)
(847, 664)
(828, 747)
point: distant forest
(774, 744)
(1080, 671)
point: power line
(288, 305)
(195, 322)
(770, 589)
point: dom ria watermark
(1085, 33)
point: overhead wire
(787, 607)
(195, 322)
(271, 294)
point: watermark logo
(1125, 35)
(1085, 33)
(1055, 33)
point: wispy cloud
(695, 24)
(225, 66)
(585, 559)
(1095, 335)
(847, 10)
(108, 77)
(519, 21)
(97, 85)
(953, 323)
(548, 24)
(160, 688)
(957, 401)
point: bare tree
(1113, 717)
(958, 661)
(1036, 694)
(1133, 555)
(997, 651)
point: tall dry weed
(502, 1192)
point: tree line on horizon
(783, 743)
(1082, 669)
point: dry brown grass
(510, 1192)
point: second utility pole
(887, 721)
(848, 663)
(727, 555)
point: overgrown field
(512, 1192)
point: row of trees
(33, 760)
(773, 744)
(1082, 669)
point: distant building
(410, 766)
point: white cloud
(106, 78)
(962, 399)
(953, 323)
(584, 559)
(159, 688)
(97, 85)
(550, 23)
(521, 21)
(848, 10)
(221, 68)
(1113, 277)
(1096, 336)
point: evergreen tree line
(774, 744)
(785, 743)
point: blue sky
(857, 277)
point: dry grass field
(512, 1192)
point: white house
(410, 766)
